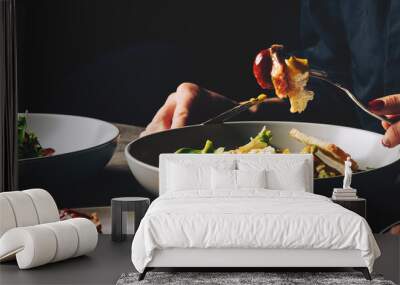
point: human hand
(388, 106)
(395, 230)
(188, 105)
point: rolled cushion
(33, 246)
(7, 218)
(23, 208)
(87, 235)
(45, 205)
(66, 238)
(40, 244)
(26, 208)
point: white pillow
(223, 179)
(287, 174)
(187, 175)
(251, 178)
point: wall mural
(212, 134)
(143, 71)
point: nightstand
(119, 209)
(357, 205)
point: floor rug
(244, 278)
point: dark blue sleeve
(357, 43)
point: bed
(248, 210)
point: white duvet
(250, 219)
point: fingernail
(376, 105)
(385, 142)
(393, 116)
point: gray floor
(389, 263)
(106, 264)
(103, 266)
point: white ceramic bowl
(364, 146)
(82, 147)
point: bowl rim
(55, 156)
(151, 167)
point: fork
(319, 74)
(243, 106)
(322, 75)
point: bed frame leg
(364, 271)
(143, 274)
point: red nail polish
(385, 143)
(376, 105)
(393, 116)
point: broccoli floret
(208, 148)
(261, 140)
(264, 135)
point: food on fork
(259, 98)
(288, 77)
(279, 75)
(298, 76)
(328, 155)
(262, 68)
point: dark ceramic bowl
(83, 146)
(382, 164)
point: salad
(28, 142)
(328, 158)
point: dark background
(118, 60)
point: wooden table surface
(115, 180)
(128, 133)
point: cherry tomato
(262, 67)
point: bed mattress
(250, 219)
